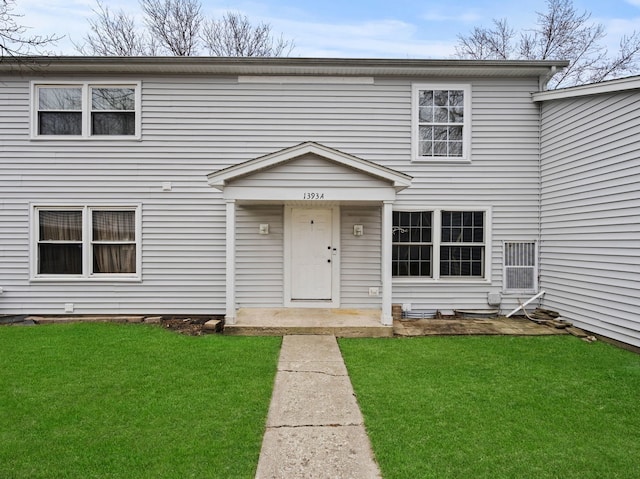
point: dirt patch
(191, 326)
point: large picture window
(87, 242)
(86, 110)
(441, 126)
(440, 244)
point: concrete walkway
(314, 427)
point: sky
(404, 29)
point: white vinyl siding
(360, 256)
(590, 266)
(259, 257)
(192, 126)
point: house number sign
(312, 196)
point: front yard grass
(498, 407)
(131, 401)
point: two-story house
(203, 185)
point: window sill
(86, 138)
(91, 279)
(415, 280)
(442, 161)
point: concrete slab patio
(366, 323)
(314, 427)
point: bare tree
(178, 27)
(14, 40)
(113, 33)
(561, 33)
(175, 24)
(234, 36)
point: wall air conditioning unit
(520, 273)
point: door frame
(334, 302)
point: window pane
(455, 133)
(426, 113)
(440, 133)
(426, 133)
(455, 148)
(439, 148)
(60, 225)
(110, 258)
(59, 258)
(462, 227)
(113, 123)
(456, 98)
(425, 98)
(462, 261)
(441, 97)
(114, 226)
(113, 99)
(456, 115)
(440, 115)
(59, 123)
(60, 98)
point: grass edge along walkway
(498, 407)
(131, 401)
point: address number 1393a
(313, 196)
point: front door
(313, 255)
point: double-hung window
(441, 244)
(87, 242)
(441, 117)
(86, 110)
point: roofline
(609, 86)
(275, 65)
(219, 179)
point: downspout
(539, 272)
(542, 84)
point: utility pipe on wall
(523, 305)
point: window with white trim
(87, 242)
(441, 122)
(412, 244)
(86, 110)
(440, 244)
(520, 267)
(462, 249)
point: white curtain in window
(114, 250)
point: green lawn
(498, 407)
(131, 401)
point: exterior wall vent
(520, 267)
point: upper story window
(441, 122)
(86, 110)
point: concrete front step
(345, 323)
(337, 331)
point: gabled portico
(314, 187)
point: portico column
(387, 239)
(230, 316)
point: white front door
(313, 256)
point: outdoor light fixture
(264, 229)
(358, 230)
